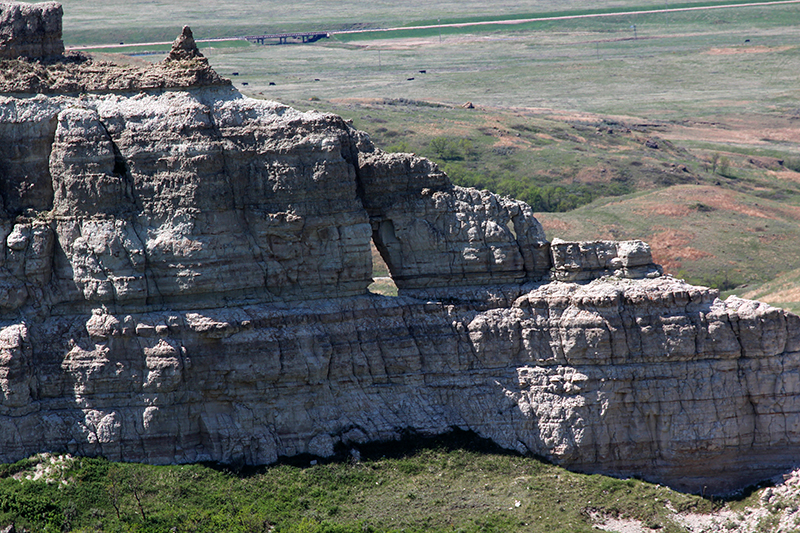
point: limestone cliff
(184, 278)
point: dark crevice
(122, 169)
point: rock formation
(32, 31)
(184, 278)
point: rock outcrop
(32, 60)
(30, 30)
(581, 261)
(184, 278)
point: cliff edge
(184, 278)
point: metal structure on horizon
(283, 38)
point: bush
(792, 164)
(444, 148)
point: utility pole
(439, 23)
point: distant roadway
(508, 22)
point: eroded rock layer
(30, 30)
(184, 277)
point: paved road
(509, 22)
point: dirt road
(569, 17)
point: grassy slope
(783, 291)
(706, 234)
(437, 488)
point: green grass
(453, 483)
(587, 22)
(112, 21)
(783, 291)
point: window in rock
(382, 279)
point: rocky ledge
(184, 278)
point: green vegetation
(530, 24)
(453, 483)
(117, 20)
(783, 291)
(682, 65)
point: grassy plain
(87, 22)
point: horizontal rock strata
(184, 278)
(580, 261)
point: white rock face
(184, 278)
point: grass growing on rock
(451, 484)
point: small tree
(445, 148)
(724, 166)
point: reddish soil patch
(595, 175)
(757, 130)
(789, 175)
(667, 210)
(724, 200)
(554, 227)
(676, 199)
(748, 50)
(669, 248)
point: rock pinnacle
(184, 47)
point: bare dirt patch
(669, 248)
(682, 199)
(748, 50)
(596, 174)
(411, 43)
(554, 227)
(752, 129)
(667, 210)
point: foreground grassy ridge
(441, 487)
